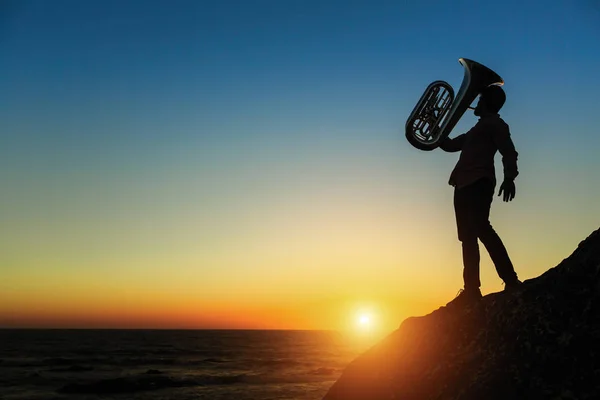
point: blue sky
(142, 130)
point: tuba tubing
(437, 112)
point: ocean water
(165, 365)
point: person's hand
(509, 189)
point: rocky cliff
(540, 342)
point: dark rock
(539, 342)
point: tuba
(437, 112)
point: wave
(154, 380)
(88, 362)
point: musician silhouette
(474, 182)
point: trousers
(472, 205)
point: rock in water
(540, 342)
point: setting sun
(364, 320)
(367, 319)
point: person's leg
(467, 234)
(487, 234)
(471, 258)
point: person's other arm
(506, 147)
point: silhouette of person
(474, 181)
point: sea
(40, 364)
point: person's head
(491, 100)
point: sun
(364, 321)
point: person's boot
(513, 285)
(466, 298)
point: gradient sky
(242, 164)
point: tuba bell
(437, 112)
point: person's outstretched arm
(506, 147)
(453, 145)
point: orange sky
(288, 267)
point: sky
(242, 164)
